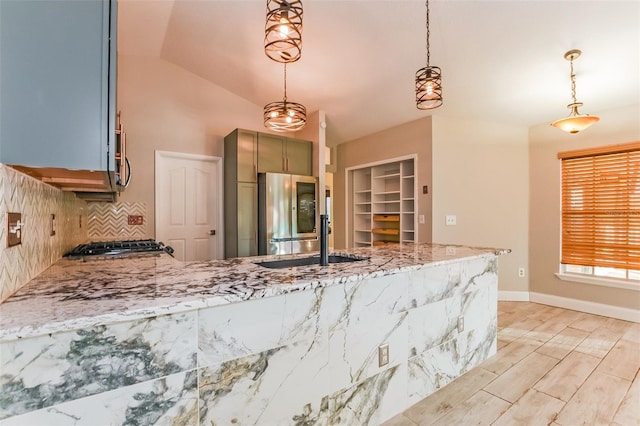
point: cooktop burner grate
(115, 248)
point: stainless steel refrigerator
(287, 219)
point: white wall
(481, 175)
(167, 108)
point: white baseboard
(513, 296)
(626, 314)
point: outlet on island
(383, 355)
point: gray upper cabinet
(278, 154)
(271, 154)
(57, 85)
(299, 156)
(247, 155)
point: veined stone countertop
(75, 294)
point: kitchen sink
(307, 261)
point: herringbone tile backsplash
(36, 201)
(110, 221)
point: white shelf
(389, 176)
(384, 189)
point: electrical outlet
(14, 229)
(425, 189)
(460, 324)
(451, 251)
(52, 225)
(421, 219)
(521, 272)
(135, 219)
(383, 355)
(450, 220)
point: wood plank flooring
(553, 367)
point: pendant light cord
(285, 83)
(573, 83)
(428, 34)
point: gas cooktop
(119, 248)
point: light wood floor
(553, 367)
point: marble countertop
(74, 294)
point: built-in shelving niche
(382, 204)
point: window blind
(601, 206)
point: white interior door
(188, 204)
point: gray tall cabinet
(240, 193)
(247, 153)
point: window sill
(601, 281)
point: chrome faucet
(324, 240)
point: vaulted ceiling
(501, 60)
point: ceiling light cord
(573, 82)
(428, 34)
(285, 84)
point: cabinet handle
(284, 164)
(287, 163)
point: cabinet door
(54, 96)
(247, 156)
(299, 154)
(247, 219)
(271, 153)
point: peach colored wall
(480, 174)
(167, 108)
(409, 138)
(615, 126)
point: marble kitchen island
(151, 340)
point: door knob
(212, 232)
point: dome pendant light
(283, 30)
(428, 81)
(285, 116)
(575, 122)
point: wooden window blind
(601, 206)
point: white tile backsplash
(36, 201)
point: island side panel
(281, 363)
(44, 371)
(171, 400)
(443, 349)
